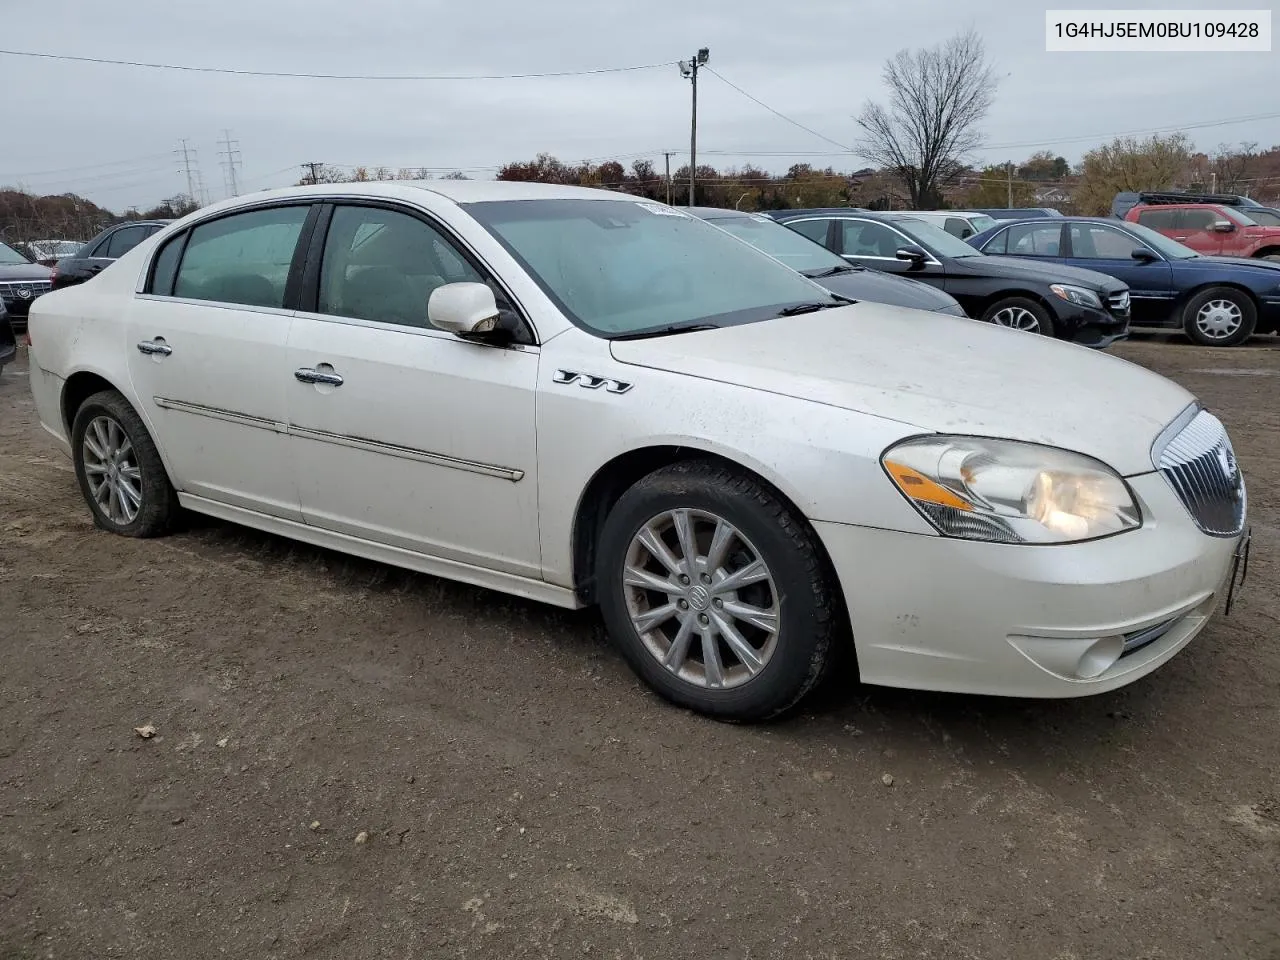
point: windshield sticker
(662, 211)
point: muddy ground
(522, 796)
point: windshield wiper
(813, 307)
(666, 331)
(838, 268)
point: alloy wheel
(112, 471)
(701, 598)
(1019, 318)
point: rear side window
(166, 267)
(243, 258)
(813, 229)
(1157, 219)
(1035, 239)
(124, 240)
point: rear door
(207, 355)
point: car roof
(459, 191)
(808, 211)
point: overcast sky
(109, 132)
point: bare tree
(937, 98)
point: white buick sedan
(581, 397)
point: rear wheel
(1020, 313)
(119, 469)
(716, 592)
(1219, 317)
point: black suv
(103, 250)
(21, 281)
(1082, 306)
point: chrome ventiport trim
(1198, 462)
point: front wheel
(1219, 317)
(716, 592)
(1020, 313)
(119, 469)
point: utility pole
(1008, 167)
(314, 174)
(667, 154)
(689, 69)
(231, 160)
(188, 156)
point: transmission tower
(190, 165)
(230, 162)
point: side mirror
(463, 309)
(1223, 226)
(1143, 255)
(913, 255)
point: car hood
(1213, 263)
(936, 373)
(24, 271)
(886, 288)
(1016, 268)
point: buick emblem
(1227, 460)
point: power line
(1171, 128)
(778, 113)
(331, 76)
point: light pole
(689, 68)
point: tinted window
(865, 238)
(1157, 219)
(1266, 218)
(622, 266)
(124, 240)
(383, 265)
(957, 227)
(1197, 219)
(1094, 241)
(243, 258)
(1035, 239)
(166, 267)
(813, 229)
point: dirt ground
(518, 794)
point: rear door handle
(155, 347)
(310, 375)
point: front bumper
(1089, 327)
(936, 613)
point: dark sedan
(821, 265)
(1082, 306)
(21, 281)
(8, 342)
(103, 250)
(1217, 301)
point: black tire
(809, 611)
(158, 509)
(1248, 317)
(1044, 322)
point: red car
(1211, 229)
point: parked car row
(584, 398)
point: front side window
(243, 258)
(1095, 241)
(1198, 219)
(383, 265)
(934, 239)
(998, 244)
(866, 238)
(618, 267)
(1035, 239)
(124, 240)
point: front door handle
(310, 375)
(156, 347)
(1179, 238)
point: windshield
(935, 238)
(10, 255)
(1264, 218)
(617, 267)
(981, 222)
(1160, 243)
(794, 249)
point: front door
(206, 343)
(1194, 228)
(875, 246)
(1109, 250)
(401, 433)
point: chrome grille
(1200, 465)
(23, 291)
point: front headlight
(1077, 295)
(1010, 492)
